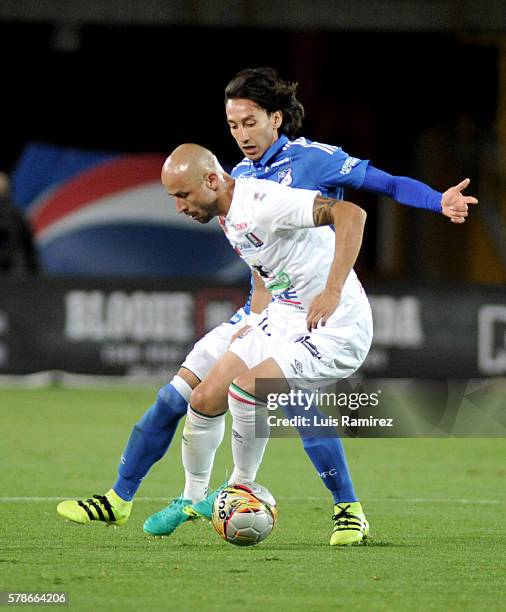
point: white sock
(250, 434)
(201, 437)
(182, 387)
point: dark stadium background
(375, 93)
(417, 87)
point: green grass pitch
(436, 509)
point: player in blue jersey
(265, 119)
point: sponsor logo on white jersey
(241, 226)
(254, 239)
(243, 248)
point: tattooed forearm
(327, 211)
(322, 210)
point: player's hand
(322, 307)
(454, 203)
(240, 332)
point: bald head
(200, 186)
(191, 163)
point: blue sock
(326, 452)
(329, 459)
(151, 437)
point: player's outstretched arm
(348, 220)
(454, 203)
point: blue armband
(402, 189)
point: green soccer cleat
(350, 525)
(108, 508)
(204, 508)
(165, 521)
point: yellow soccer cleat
(108, 508)
(350, 524)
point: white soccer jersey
(271, 227)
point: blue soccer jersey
(313, 165)
(307, 165)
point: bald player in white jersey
(283, 235)
(265, 119)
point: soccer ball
(244, 514)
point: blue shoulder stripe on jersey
(244, 162)
(302, 142)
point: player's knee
(188, 376)
(246, 382)
(205, 401)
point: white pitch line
(419, 500)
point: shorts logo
(264, 325)
(255, 240)
(304, 340)
(297, 366)
(285, 177)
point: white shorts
(206, 352)
(332, 352)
